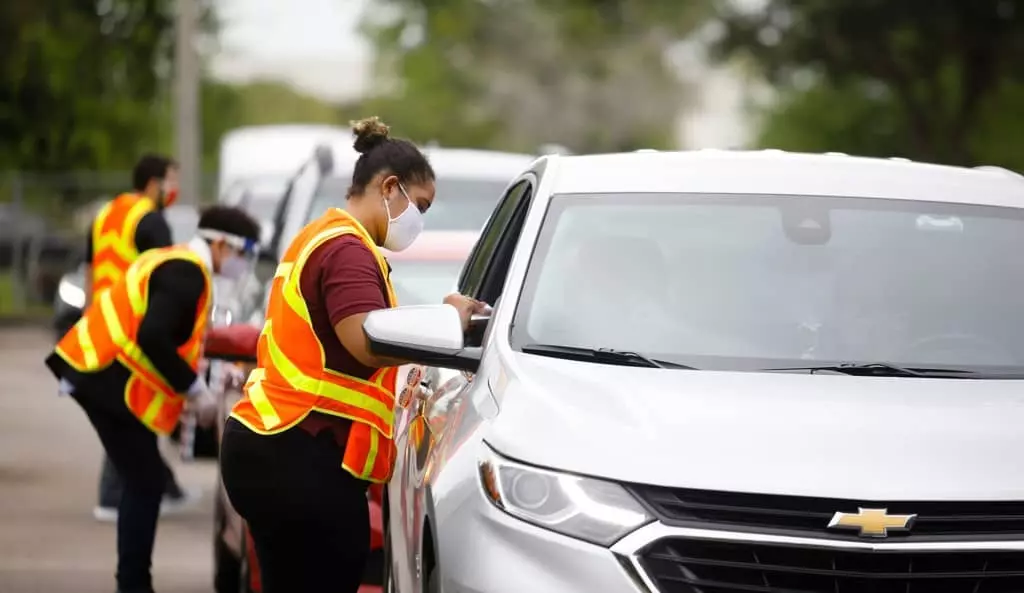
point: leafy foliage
(78, 80)
(905, 77)
(514, 74)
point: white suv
(718, 372)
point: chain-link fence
(44, 218)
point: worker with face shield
(132, 364)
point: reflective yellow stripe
(371, 456)
(92, 360)
(131, 220)
(260, 401)
(129, 349)
(306, 384)
(291, 291)
(107, 270)
(122, 241)
(283, 269)
(154, 408)
(110, 240)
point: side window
(471, 280)
(497, 270)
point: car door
(435, 401)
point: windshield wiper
(884, 369)
(606, 355)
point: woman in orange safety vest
(314, 429)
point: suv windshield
(461, 204)
(752, 282)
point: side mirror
(422, 334)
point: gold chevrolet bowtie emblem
(872, 522)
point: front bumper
(484, 550)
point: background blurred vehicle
(469, 183)
(258, 162)
(42, 252)
(422, 274)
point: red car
(423, 273)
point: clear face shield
(235, 284)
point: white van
(257, 163)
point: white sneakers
(169, 506)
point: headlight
(71, 294)
(592, 510)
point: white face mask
(405, 228)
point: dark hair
(150, 167)
(228, 219)
(380, 152)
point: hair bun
(370, 132)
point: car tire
(227, 569)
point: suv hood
(824, 435)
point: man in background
(127, 226)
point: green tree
(514, 74)
(79, 82)
(908, 77)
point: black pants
(112, 485)
(308, 517)
(134, 452)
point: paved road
(49, 462)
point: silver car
(714, 372)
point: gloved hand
(202, 403)
(65, 388)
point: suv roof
(486, 164)
(782, 173)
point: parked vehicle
(469, 183)
(257, 163)
(424, 273)
(721, 371)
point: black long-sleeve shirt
(175, 288)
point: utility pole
(187, 75)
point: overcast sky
(314, 44)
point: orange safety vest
(113, 238)
(108, 329)
(290, 380)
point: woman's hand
(466, 306)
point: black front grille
(678, 565)
(808, 516)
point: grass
(12, 308)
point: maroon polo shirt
(341, 278)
